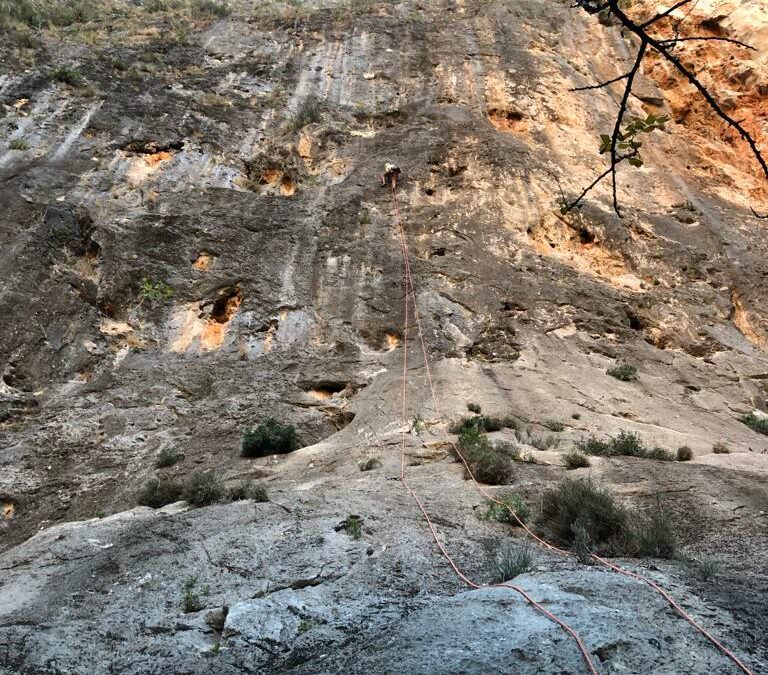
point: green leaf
(635, 161)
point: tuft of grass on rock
(474, 408)
(203, 488)
(756, 423)
(247, 489)
(624, 372)
(510, 562)
(705, 570)
(191, 600)
(488, 464)
(161, 491)
(575, 460)
(269, 438)
(18, 144)
(554, 425)
(684, 454)
(218, 8)
(625, 444)
(721, 448)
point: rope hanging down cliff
(389, 178)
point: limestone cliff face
(233, 162)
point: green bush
(203, 488)
(554, 425)
(168, 457)
(68, 76)
(269, 438)
(501, 512)
(370, 464)
(584, 516)
(720, 448)
(510, 562)
(488, 464)
(474, 408)
(44, 13)
(481, 423)
(18, 144)
(213, 7)
(308, 112)
(626, 444)
(623, 372)
(684, 454)
(247, 489)
(191, 598)
(756, 423)
(575, 460)
(353, 525)
(160, 491)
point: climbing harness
(409, 290)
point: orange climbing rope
(408, 284)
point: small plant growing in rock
(218, 8)
(721, 448)
(502, 513)
(481, 423)
(554, 425)
(489, 465)
(168, 457)
(203, 488)
(684, 454)
(353, 525)
(305, 625)
(154, 290)
(474, 408)
(160, 491)
(365, 218)
(18, 144)
(370, 464)
(659, 454)
(625, 444)
(418, 424)
(269, 438)
(756, 423)
(307, 113)
(623, 372)
(191, 600)
(67, 75)
(510, 562)
(576, 460)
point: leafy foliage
(501, 512)
(627, 140)
(684, 454)
(154, 290)
(353, 525)
(625, 444)
(168, 457)
(269, 438)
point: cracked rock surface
(195, 238)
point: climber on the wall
(391, 174)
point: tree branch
(659, 16)
(602, 84)
(674, 41)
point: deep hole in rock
(585, 236)
(140, 147)
(439, 251)
(225, 306)
(634, 321)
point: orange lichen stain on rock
(507, 120)
(392, 341)
(7, 509)
(319, 394)
(287, 186)
(208, 328)
(304, 146)
(580, 250)
(270, 176)
(742, 321)
(144, 166)
(203, 261)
